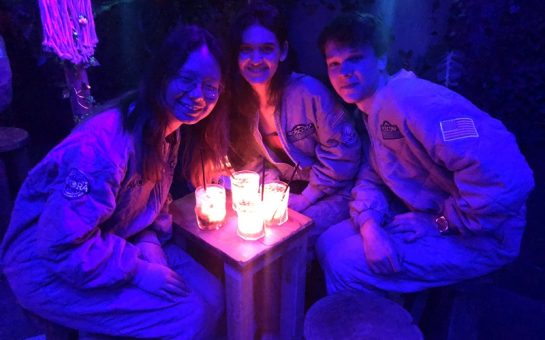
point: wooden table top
(226, 241)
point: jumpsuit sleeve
(160, 231)
(82, 196)
(338, 150)
(491, 176)
(369, 196)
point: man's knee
(334, 265)
(332, 237)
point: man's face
(354, 72)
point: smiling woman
(280, 118)
(193, 93)
(87, 246)
(259, 55)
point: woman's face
(259, 55)
(194, 91)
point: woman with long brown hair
(287, 118)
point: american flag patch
(458, 128)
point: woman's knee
(195, 318)
(209, 309)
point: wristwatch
(442, 225)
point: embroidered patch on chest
(76, 184)
(301, 131)
(390, 131)
(458, 128)
(349, 135)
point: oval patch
(76, 184)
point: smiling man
(442, 196)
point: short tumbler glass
(275, 203)
(210, 206)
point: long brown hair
(150, 114)
(245, 102)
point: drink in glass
(210, 206)
(250, 220)
(275, 203)
(244, 187)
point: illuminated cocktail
(250, 220)
(244, 187)
(275, 203)
(210, 206)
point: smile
(349, 86)
(191, 108)
(257, 69)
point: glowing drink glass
(210, 206)
(275, 203)
(244, 187)
(250, 220)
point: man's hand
(379, 251)
(298, 202)
(152, 253)
(161, 281)
(414, 224)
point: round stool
(14, 165)
(12, 138)
(356, 315)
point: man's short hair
(355, 29)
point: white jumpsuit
(437, 154)
(70, 252)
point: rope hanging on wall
(69, 32)
(69, 29)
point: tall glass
(275, 203)
(244, 187)
(210, 206)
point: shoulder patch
(76, 184)
(458, 128)
(390, 131)
(301, 131)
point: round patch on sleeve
(76, 184)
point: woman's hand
(152, 253)
(271, 175)
(161, 281)
(379, 250)
(298, 202)
(414, 224)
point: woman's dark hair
(245, 102)
(150, 115)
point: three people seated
(434, 201)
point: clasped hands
(155, 276)
(380, 252)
